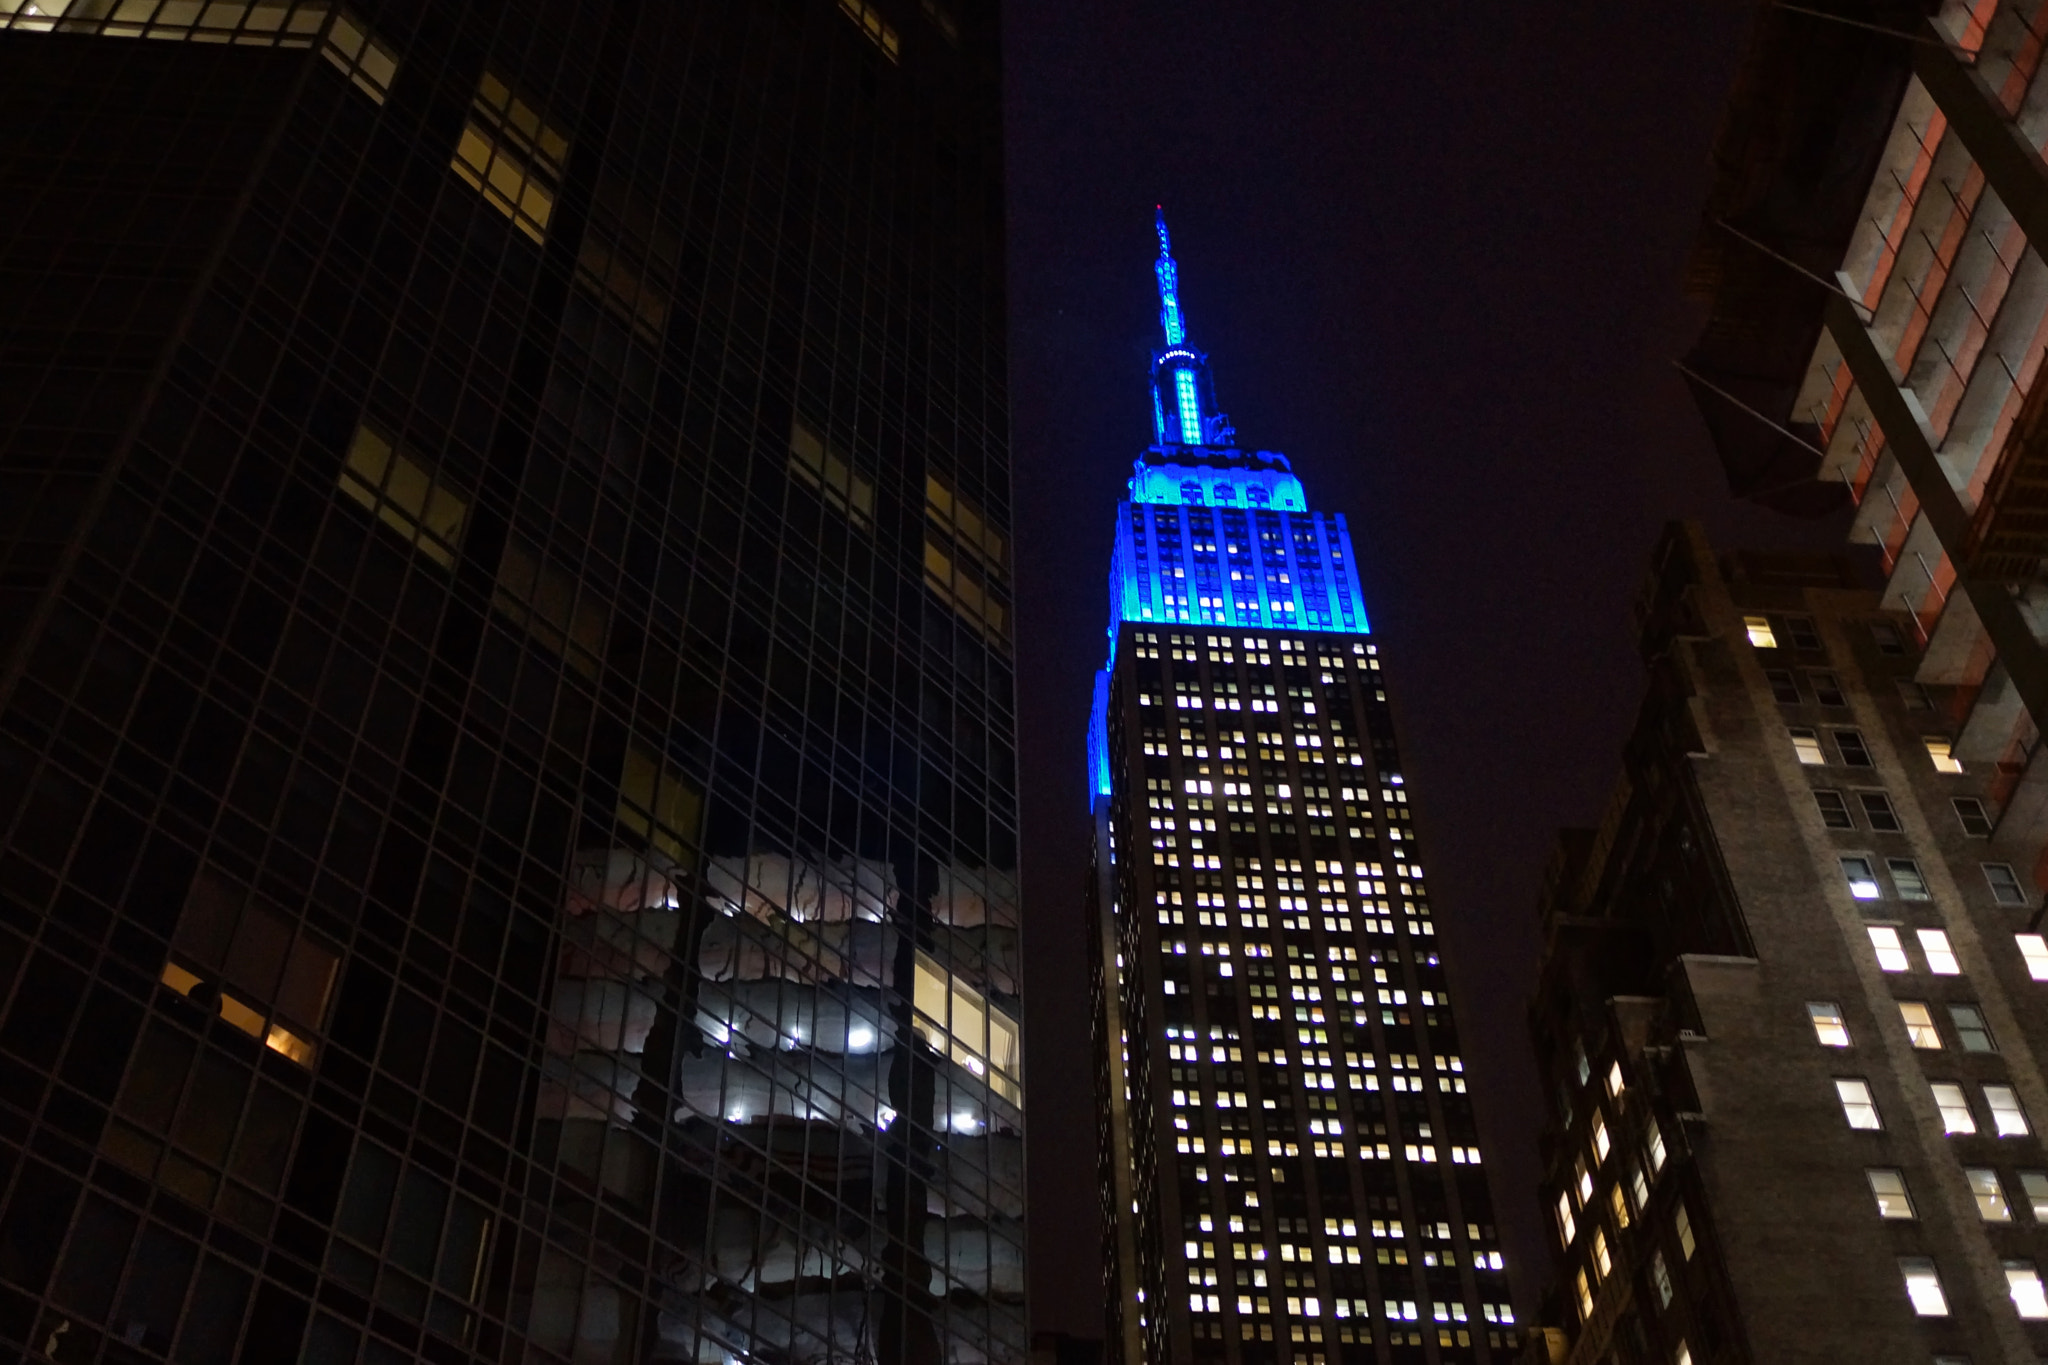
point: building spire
(1169, 284)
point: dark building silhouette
(506, 731)
(1290, 1169)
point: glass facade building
(507, 801)
(1289, 1165)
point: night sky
(1434, 253)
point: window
(265, 979)
(1914, 695)
(1887, 637)
(1849, 743)
(1601, 1256)
(1920, 1030)
(1661, 1274)
(1862, 880)
(2034, 1184)
(873, 25)
(2007, 1118)
(512, 155)
(1834, 811)
(1826, 690)
(360, 55)
(1828, 1027)
(1877, 810)
(2024, 1282)
(1971, 1029)
(1991, 1206)
(405, 495)
(2005, 885)
(1782, 685)
(548, 601)
(1955, 1109)
(2034, 952)
(1566, 1228)
(1585, 1296)
(1923, 1287)
(1683, 1355)
(1602, 1144)
(1906, 879)
(1857, 1105)
(659, 806)
(1759, 628)
(824, 467)
(1888, 1187)
(1619, 1202)
(1891, 954)
(1941, 959)
(1941, 754)
(1806, 744)
(1681, 1222)
(1971, 814)
(1615, 1083)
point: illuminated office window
(1858, 1106)
(876, 28)
(820, 464)
(405, 495)
(2034, 952)
(1891, 951)
(358, 54)
(1806, 747)
(513, 156)
(2008, 1119)
(2024, 1283)
(1888, 1187)
(267, 980)
(1940, 753)
(1923, 1287)
(960, 1023)
(1990, 1198)
(1941, 958)
(1955, 1108)
(1920, 1030)
(1760, 634)
(1829, 1028)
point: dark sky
(1434, 253)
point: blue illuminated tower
(1289, 1164)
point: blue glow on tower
(1211, 535)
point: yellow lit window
(873, 25)
(1941, 754)
(545, 600)
(963, 587)
(658, 806)
(1759, 629)
(1620, 1203)
(405, 495)
(960, 1023)
(819, 463)
(1601, 1258)
(357, 53)
(512, 155)
(1829, 1028)
(1806, 744)
(1920, 1028)
(265, 978)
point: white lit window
(2035, 1185)
(1615, 1084)
(1655, 1143)
(2025, 1284)
(1601, 1257)
(1891, 953)
(2006, 1115)
(1806, 744)
(2034, 952)
(1601, 1143)
(1862, 879)
(1759, 629)
(1888, 1187)
(1940, 753)
(1923, 1287)
(1682, 1221)
(1566, 1228)
(1920, 1030)
(1857, 1105)
(1941, 959)
(1828, 1026)
(1955, 1108)
(1984, 1188)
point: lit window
(1877, 810)
(1920, 1028)
(1601, 1143)
(824, 467)
(1566, 1228)
(958, 1022)
(1601, 1257)
(1585, 1296)
(1906, 879)
(1971, 1028)
(1984, 1188)
(1941, 959)
(1955, 1109)
(873, 25)
(512, 155)
(2034, 952)
(2007, 1118)
(1682, 1356)
(266, 980)
(1970, 813)
(1806, 744)
(1759, 628)
(1862, 880)
(360, 55)
(1619, 1202)
(2005, 885)
(2025, 1284)
(1615, 1084)
(1923, 1287)
(1857, 1105)
(1888, 1187)
(405, 495)
(1834, 811)
(1941, 754)
(2035, 1185)
(1655, 1143)
(1850, 744)
(1829, 1029)
(1682, 1222)
(1891, 953)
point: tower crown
(1183, 398)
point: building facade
(1289, 1165)
(1791, 1002)
(506, 734)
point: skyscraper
(1289, 1166)
(1790, 1009)
(506, 741)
